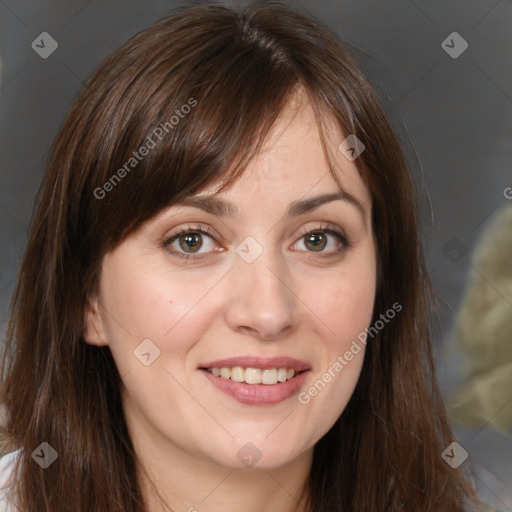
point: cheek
(153, 304)
(138, 306)
(343, 310)
(326, 395)
(344, 303)
(347, 311)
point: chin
(260, 453)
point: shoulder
(7, 464)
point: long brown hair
(236, 72)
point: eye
(188, 242)
(324, 240)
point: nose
(261, 300)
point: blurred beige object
(484, 331)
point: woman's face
(245, 288)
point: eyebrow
(223, 208)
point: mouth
(256, 380)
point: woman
(223, 301)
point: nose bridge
(262, 301)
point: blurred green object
(484, 332)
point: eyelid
(191, 227)
(324, 226)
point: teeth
(282, 374)
(253, 376)
(267, 376)
(237, 374)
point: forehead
(294, 160)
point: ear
(94, 332)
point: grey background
(454, 117)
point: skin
(290, 301)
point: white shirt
(6, 467)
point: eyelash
(205, 230)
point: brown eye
(323, 241)
(191, 242)
(315, 241)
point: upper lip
(259, 362)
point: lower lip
(258, 394)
